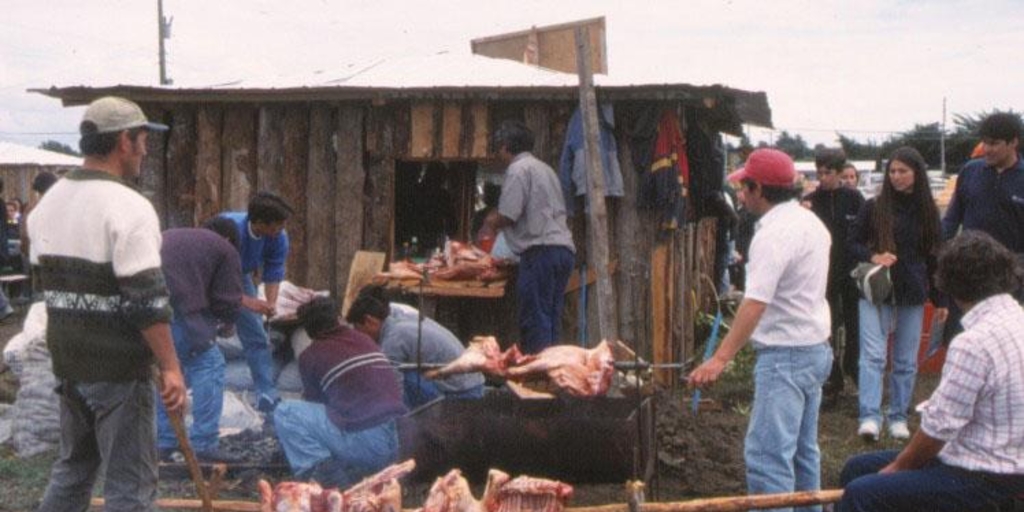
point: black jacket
(837, 209)
(911, 275)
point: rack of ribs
(451, 493)
(377, 493)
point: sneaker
(868, 430)
(171, 455)
(266, 405)
(218, 455)
(898, 430)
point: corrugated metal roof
(16, 154)
(440, 75)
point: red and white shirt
(978, 408)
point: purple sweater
(346, 371)
(203, 273)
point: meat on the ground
(575, 370)
(377, 493)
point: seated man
(969, 452)
(396, 327)
(345, 428)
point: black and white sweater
(96, 248)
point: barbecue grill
(601, 440)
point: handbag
(873, 281)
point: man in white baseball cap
(96, 248)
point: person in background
(96, 245)
(900, 230)
(969, 451)
(785, 313)
(989, 193)
(837, 207)
(849, 177)
(40, 184)
(344, 429)
(263, 245)
(533, 220)
(404, 339)
(203, 272)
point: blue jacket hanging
(572, 170)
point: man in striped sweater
(345, 428)
(96, 247)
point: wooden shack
(20, 164)
(351, 151)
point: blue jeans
(316, 448)
(543, 273)
(256, 345)
(935, 487)
(204, 375)
(418, 390)
(781, 448)
(876, 323)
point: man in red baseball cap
(785, 314)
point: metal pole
(162, 34)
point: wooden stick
(727, 504)
(189, 504)
(190, 458)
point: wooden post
(598, 216)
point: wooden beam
(319, 197)
(379, 191)
(291, 179)
(451, 128)
(348, 196)
(153, 181)
(481, 130)
(238, 170)
(422, 127)
(209, 125)
(598, 218)
(181, 169)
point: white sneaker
(868, 430)
(899, 430)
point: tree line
(926, 138)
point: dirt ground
(698, 456)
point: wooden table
(467, 294)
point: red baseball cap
(769, 167)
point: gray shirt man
(438, 345)
(531, 198)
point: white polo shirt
(788, 271)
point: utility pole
(942, 139)
(163, 33)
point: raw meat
(377, 493)
(525, 494)
(483, 355)
(451, 493)
(578, 371)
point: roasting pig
(578, 371)
(377, 493)
(483, 355)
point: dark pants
(105, 426)
(543, 273)
(936, 487)
(842, 300)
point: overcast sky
(866, 68)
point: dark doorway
(433, 200)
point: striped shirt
(346, 371)
(978, 408)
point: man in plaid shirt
(969, 452)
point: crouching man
(969, 452)
(404, 339)
(345, 428)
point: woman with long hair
(900, 230)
